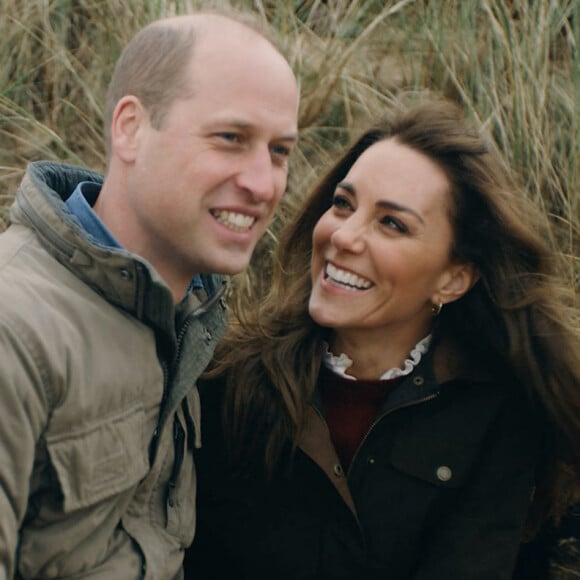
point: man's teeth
(346, 278)
(235, 221)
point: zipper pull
(171, 493)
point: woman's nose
(349, 237)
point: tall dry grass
(513, 65)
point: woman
(388, 410)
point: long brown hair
(517, 317)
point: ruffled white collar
(339, 364)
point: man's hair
(153, 66)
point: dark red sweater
(350, 408)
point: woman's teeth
(346, 278)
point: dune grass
(513, 65)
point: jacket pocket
(102, 460)
(442, 443)
(442, 465)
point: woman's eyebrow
(349, 187)
(384, 203)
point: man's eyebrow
(383, 203)
(246, 125)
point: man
(109, 311)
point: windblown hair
(154, 63)
(517, 317)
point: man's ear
(128, 117)
(456, 282)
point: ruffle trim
(339, 364)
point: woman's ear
(128, 117)
(457, 281)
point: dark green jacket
(438, 490)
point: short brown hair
(152, 66)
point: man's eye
(281, 150)
(231, 137)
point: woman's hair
(516, 318)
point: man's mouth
(238, 222)
(345, 279)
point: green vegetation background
(514, 66)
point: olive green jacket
(99, 410)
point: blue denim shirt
(80, 204)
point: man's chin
(232, 267)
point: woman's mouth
(345, 279)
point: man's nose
(257, 175)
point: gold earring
(436, 309)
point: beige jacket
(99, 411)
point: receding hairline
(181, 36)
(211, 21)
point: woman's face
(381, 252)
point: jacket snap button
(444, 473)
(418, 380)
(371, 460)
(337, 470)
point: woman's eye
(394, 224)
(340, 202)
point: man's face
(204, 186)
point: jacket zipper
(373, 425)
(179, 445)
(167, 372)
(178, 432)
(195, 313)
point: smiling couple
(381, 413)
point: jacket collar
(443, 362)
(124, 279)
